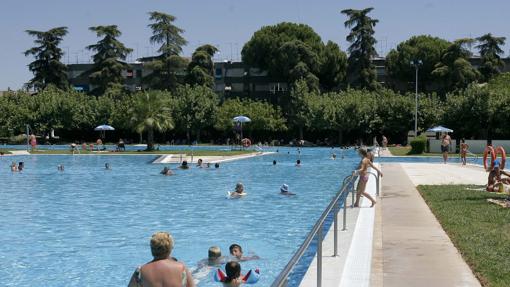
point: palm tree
(151, 111)
(490, 51)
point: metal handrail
(281, 280)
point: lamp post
(416, 64)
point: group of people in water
(168, 271)
(184, 165)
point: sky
(228, 24)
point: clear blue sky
(228, 24)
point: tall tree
(201, 67)
(151, 111)
(298, 108)
(47, 68)
(107, 70)
(360, 70)
(424, 48)
(195, 109)
(168, 63)
(333, 67)
(490, 52)
(454, 68)
(288, 51)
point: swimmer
(199, 162)
(237, 252)
(284, 190)
(238, 192)
(107, 166)
(184, 165)
(333, 156)
(207, 165)
(166, 171)
(216, 165)
(214, 259)
(298, 163)
(21, 166)
(60, 167)
(274, 162)
(14, 167)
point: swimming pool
(91, 227)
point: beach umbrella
(440, 129)
(103, 129)
(241, 120)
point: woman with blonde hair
(163, 270)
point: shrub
(418, 145)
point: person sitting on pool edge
(284, 190)
(237, 252)
(184, 165)
(162, 270)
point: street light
(416, 64)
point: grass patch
(187, 152)
(5, 151)
(480, 230)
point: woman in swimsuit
(163, 270)
(463, 151)
(363, 177)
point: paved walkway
(410, 247)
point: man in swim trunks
(445, 145)
(162, 270)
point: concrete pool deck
(411, 248)
(399, 242)
(178, 158)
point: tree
(360, 70)
(195, 109)
(287, 51)
(298, 108)
(333, 67)
(424, 48)
(454, 68)
(166, 65)
(490, 52)
(107, 70)
(201, 67)
(47, 68)
(265, 118)
(151, 111)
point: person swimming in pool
(214, 259)
(184, 165)
(284, 190)
(363, 176)
(237, 252)
(166, 171)
(298, 163)
(238, 192)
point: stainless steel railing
(340, 199)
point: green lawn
(5, 151)
(480, 230)
(187, 152)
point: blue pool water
(91, 227)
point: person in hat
(284, 190)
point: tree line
(196, 112)
(333, 94)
